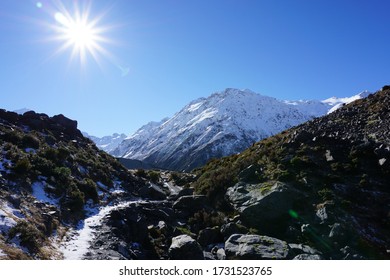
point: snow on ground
(78, 240)
(2, 254)
(38, 189)
(8, 217)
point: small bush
(29, 141)
(29, 235)
(325, 194)
(140, 173)
(62, 174)
(154, 176)
(22, 166)
(89, 188)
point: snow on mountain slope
(337, 103)
(107, 143)
(225, 123)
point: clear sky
(144, 60)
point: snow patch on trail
(78, 240)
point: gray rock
(322, 214)
(255, 247)
(308, 257)
(208, 256)
(221, 255)
(184, 247)
(298, 249)
(261, 204)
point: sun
(80, 33)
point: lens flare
(80, 33)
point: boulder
(184, 247)
(209, 236)
(153, 192)
(251, 174)
(299, 249)
(308, 257)
(260, 205)
(221, 255)
(255, 247)
(191, 202)
(232, 228)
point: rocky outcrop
(260, 204)
(184, 247)
(255, 247)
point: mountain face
(107, 143)
(325, 183)
(223, 124)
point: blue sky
(163, 54)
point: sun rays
(76, 30)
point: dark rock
(338, 233)
(260, 205)
(191, 202)
(255, 247)
(251, 174)
(65, 122)
(152, 191)
(185, 192)
(209, 236)
(232, 228)
(184, 247)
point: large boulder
(209, 236)
(255, 247)
(260, 205)
(153, 192)
(191, 202)
(184, 247)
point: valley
(314, 190)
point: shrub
(22, 166)
(30, 141)
(154, 176)
(29, 235)
(325, 194)
(74, 199)
(62, 174)
(140, 173)
(89, 188)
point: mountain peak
(224, 123)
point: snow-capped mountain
(225, 123)
(107, 143)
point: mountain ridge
(224, 123)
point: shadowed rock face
(261, 204)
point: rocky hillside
(317, 191)
(51, 179)
(324, 184)
(223, 124)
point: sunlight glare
(80, 33)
